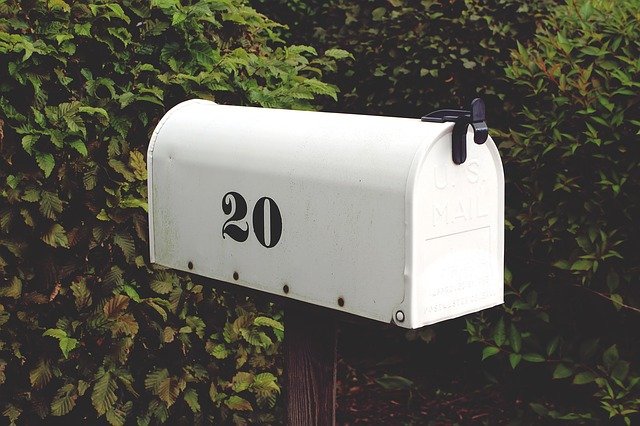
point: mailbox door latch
(474, 117)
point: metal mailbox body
(364, 214)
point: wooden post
(310, 341)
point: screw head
(285, 288)
(236, 276)
(190, 265)
(340, 301)
(400, 316)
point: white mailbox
(364, 214)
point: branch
(608, 297)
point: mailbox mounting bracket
(474, 117)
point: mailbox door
(456, 246)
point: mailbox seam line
(459, 232)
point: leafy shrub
(570, 95)
(574, 197)
(413, 56)
(87, 328)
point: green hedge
(414, 56)
(573, 170)
(87, 328)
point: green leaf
(515, 338)
(564, 44)
(613, 281)
(158, 305)
(103, 216)
(117, 416)
(539, 409)
(28, 141)
(606, 103)
(64, 400)
(553, 345)
(268, 322)
(56, 236)
(118, 12)
(338, 54)
(59, 5)
(61, 38)
(584, 378)
(562, 264)
(122, 169)
(489, 351)
(394, 382)
(378, 13)
(318, 87)
(126, 244)
(50, 204)
(241, 381)
(265, 384)
(586, 10)
(562, 372)
(514, 360)
(33, 195)
(191, 398)
(165, 4)
(620, 370)
(588, 349)
(582, 265)
(610, 356)
(81, 293)
(12, 413)
(178, 18)
(13, 290)
(164, 386)
(196, 324)
(532, 357)
(83, 29)
(617, 301)
(67, 344)
(103, 396)
(219, 351)
(46, 162)
(132, 202)
(79, 146)
(82, 387)
(139, 166)
(132, 293)
(237, 403)
(162, 282)
(154, 379)
(499, 333)
(12, 181)
(41, 374)
(55, 333)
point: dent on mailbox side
(364, 214)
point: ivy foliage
(573, 162)
(88, 330)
